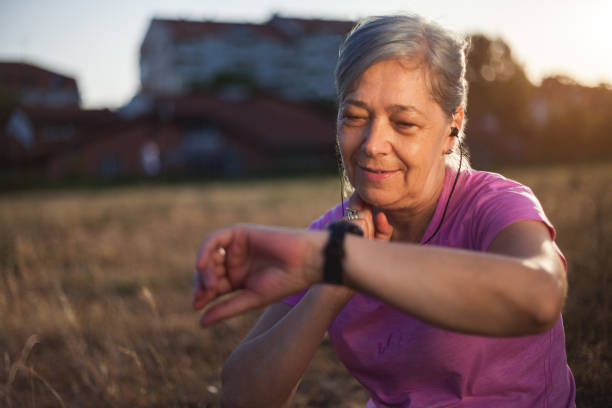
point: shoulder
(492, 202)
(481, 190)
(485, 183)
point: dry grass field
(95, 289)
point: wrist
(313, 257)
(334, 250)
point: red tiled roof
(18, 75)
(311, 26)
(266, 123)
(186, 29)
(281, 28)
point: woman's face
(393, 137)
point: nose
(376, 139)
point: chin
(379, 199)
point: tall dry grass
(95, 290)
(578, 201)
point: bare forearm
(467, 291)
(276, 360)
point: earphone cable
(450, 195)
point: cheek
(419, 158)
(348, 145)
(410, 152)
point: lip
(374, 174)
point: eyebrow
(404, 108)
(390, 109)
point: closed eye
(354, 120)
(405, 125)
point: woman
(453, 295)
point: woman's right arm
(265, 369)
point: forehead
(393, 82)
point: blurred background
(128, 130)
(122, 90)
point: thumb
(382, 228)
(230, 306)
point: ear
(458, 118)
(456, 122)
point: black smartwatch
(334, 250)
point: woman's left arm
(517, 287)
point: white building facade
(292, 58)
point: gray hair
(408, 36)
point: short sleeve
(318, 224)
(503, 203)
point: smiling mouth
(376, 171)
(376, 174)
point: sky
(97, 42)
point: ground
(95, 289)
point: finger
(202, 297)
(382, 229)
(231, 306)
(365, 226)
(223, 286)
(198, 289)
(218, 266)
(202, 280)
(210, 262)
(218, 256)
(365, 215)
(211, 245)
(195, 282)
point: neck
(410, 223)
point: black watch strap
(334, 250)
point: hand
(373, 222)
(375, 226)
(261, 265)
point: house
(254, 133)
(292, 58)
(208, 135)
(33, 135)
(36, 86)
(216, 99)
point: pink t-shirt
(404, 362)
